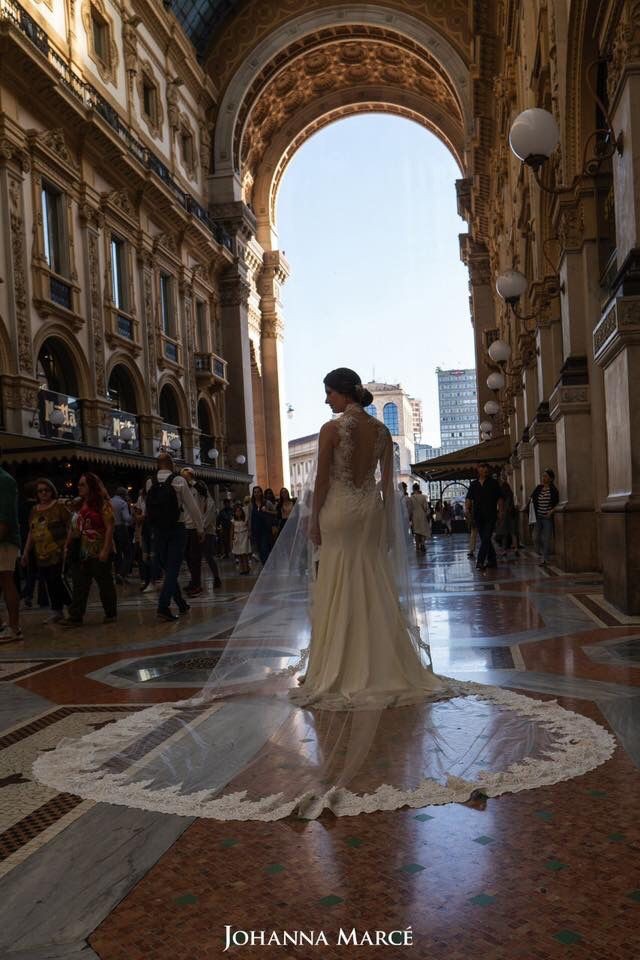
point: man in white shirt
(122, 533)
(195, 542)
(169, 502)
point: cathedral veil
(241, 749)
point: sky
(367, 219)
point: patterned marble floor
(553, 872)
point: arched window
(390, 414)
(121, 391)
(59, 414)
(204, 419)
(169, 406)
(56, 370)
(371, 410)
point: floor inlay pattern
(545, 874)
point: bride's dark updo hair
(348, 383)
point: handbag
(532, 513)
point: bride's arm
(323, 475)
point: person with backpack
(169, 501)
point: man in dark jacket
(484, 502)
(545, 499)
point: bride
(371, 727)
(363, 649)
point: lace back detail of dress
(359, 449)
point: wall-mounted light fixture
(534, 136)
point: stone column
(571, 401)
(235, 293)
(20, 389)
(574, 521)
(234, 302)
(616, 338)
(274, 274)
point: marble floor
(552, 872)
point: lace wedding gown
(363, 651)
(371, 728)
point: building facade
(302, 456)
(396, 409)
(141, 152)
(458, 405)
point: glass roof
(200, 18)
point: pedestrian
(195, 537)
(241, 543)
(95, 525)
(485, 501)
(123, 522)
(31, 575)
(506, 529)
(48, 528)
(271, 507)
(260, 518)
(224, 527)
(447, 518)
(545, 499)
(9, 553)
(285, 508)
(418, 506)
(169, 502)
(209, 546)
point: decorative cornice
(619, 326)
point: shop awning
(16, 450)
(461, 464)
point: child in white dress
(241, 547)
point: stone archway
(309, 70)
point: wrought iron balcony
(13, 12)
(211, 371)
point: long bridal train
(372, 727)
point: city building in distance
(458, 400)
(302, 454)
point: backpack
(162, 507)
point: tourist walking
(447, 517)
(260, 522)
(123, 523)
(169, 502)
(545, 499)
(506, 530)
(47, 537)
(484, 501)
(195, 536)
(285, 508)
(9, 553)
(241, 543)
(209, 546)
(224, 528)
(95, 525)
(418, 507)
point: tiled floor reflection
(541, 874)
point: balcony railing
(89, 96)
(211, 369)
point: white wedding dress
(371, 728)
(364, 652)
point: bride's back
(361, 443)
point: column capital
(619, 326)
